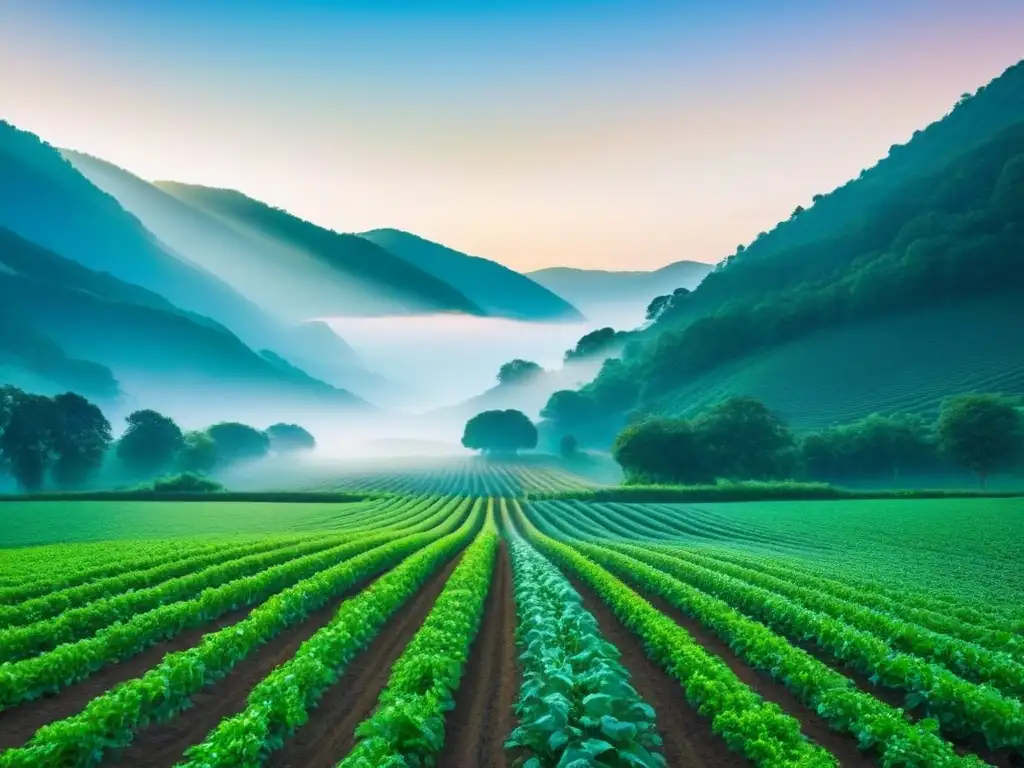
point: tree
(568, 446)
(570, 408)
(81, 438)
(500, 432)
(518, 372)
(27, 442)
(661, 450)
(290, 437)
(601, 341)
(658, 306)
(743, 439)
(198, 454)
(238, 442)
(981, 432)
(151, 442)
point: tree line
(65, 440)
(741, 439)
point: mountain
(595, 289)
(921, 256)
(91, 332)
(498, 290)
(291, 265)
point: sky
(607, 135)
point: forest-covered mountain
(90, 332)
(498, 290)
(329, 273)
(597, 289)
(937, 224)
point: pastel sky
(536, 132)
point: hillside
(46, 200)
(82, 330)
(325, 273)
(911, 243)
(497, 289)
(592, 289)
(907, 363)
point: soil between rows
(19, 724)
(329, 734)
(483, 717)
(688, 739)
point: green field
(221, 633)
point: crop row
(962, 707)
(280, 702)
(575, 702)
(110, 720)
(48, 672)
(407, 727)
(58, 601)
(758, 729)
(967, 659)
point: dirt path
(688, 740)
(843, 746)
(476, 729)
(329, 734)
(19, 724)
(163, 743)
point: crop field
(485, 630)
(464, 476)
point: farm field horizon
(433, 627)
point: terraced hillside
(469, 631)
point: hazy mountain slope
(592, 288)
(334, 274)
(905, 363)
(496, 288)
(151, 347)
(46, 200)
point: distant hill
(936, 231)
(591, 289)
(286, 262)
(92, 333)
(499, 290)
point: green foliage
(238, 442)
(500, 432)
(519, 372)
(876, 446)
(81, 438)
(290, 437)
(27, 442)
(737, 439)
(198, 453)
(575, 702)
(186, 482)
(150, 444)
(407, 728)
(278, 704)
(981, 432)
(603, 341)
(569, 408)
(568, 446)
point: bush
(186, 482)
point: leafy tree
(601, 341)
(743, 439)
(238, 442)
(186, 482)
(875, 446)
(290, 437)
(198, 454)
(570, 408)
(981, 432)
(27, 442)
(657, 307)
(151, 442)
(518, 372)
(568, 446)
(500, 432)
(662, 450)
(81, 438)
